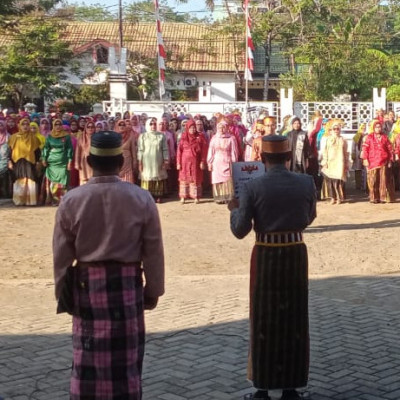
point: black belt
(279, 238)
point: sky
(190, 6)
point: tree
(12, 10)
(275, 23)
(34, 61)
(343, 48)
(82, 12)
(18, 7)
(143, 11)
(80, 100)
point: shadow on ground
(355, 352)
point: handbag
(66, 300)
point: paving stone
(196, 348)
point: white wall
(86, 67)
(212, 87)
(216, 87)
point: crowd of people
(43, 156)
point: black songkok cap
(275, 144)
(106, 144)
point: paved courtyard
(197, 340)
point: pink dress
(192, 150)
(222, 152)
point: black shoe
(261, 395)
(290, 394)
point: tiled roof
(192, 47)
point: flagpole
(246, 72)
(159, 45)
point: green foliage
(344, 48)
(393, 93)
(143, 76)
(79, 100)
(143, 11)
(91, 94)
(185, 95)
(15, 7)
(34, 62)
(82, 12)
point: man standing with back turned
(111, 229)
(281, 204)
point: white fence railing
(157, 108)
(352, 113)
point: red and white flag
(161, 51)
(249, 44)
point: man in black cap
(111, 230)
(280, 204)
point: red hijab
(195, 140)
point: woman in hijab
(256, 130)
(42, 139)
(45, 127)
(191, 160)
(99, 126)
(137, 129)
(35, 117)
(111, 123)
(82, 153)
(377, 153)
(222, 152)
(299, 146)
(12, 124)
(74, 128)
(153, 158)
(25, 155)
(73, 172)
(356, 155)
(5, 178)
(129, 152)
(34, 127)
(57, 157)
(335, 164)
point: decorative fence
(157, 108)
(352, 114)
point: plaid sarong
(108, 332)
(279, 338)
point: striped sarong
(223, 192)
(156, 188)
(279, 337)
(381, 185)
(108, 332)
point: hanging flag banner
(160, 51)
(249, 45)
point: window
(102, 55)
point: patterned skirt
(190, 190)
(108, 332)
(51, 193)
(24, 192)
(156, 188)
(223, 192)
(279, 337)
(381, 185)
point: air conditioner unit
(190, 81)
